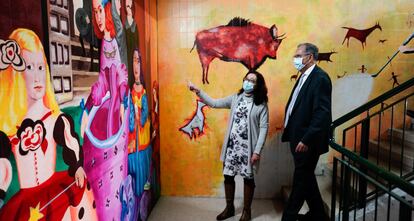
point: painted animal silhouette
(239, 41)
(360, 35)
(341, 76)
(197, 122)
(382, 41)
(326, 56)
(294, 76)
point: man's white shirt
(302, 80)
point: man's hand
(301, 147)
(255, 158)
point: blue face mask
(297, 62)
(248, 86)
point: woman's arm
(214, 103)
(263, 128)
(65, 135)
(98, 91)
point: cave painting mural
(394, 79)
(31, 128)
(254, 44)
(195, 127)
(326, 56)
(360, 34)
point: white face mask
(297, 62)
(248, 86)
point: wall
(191, 166)
(77, 140)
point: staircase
(373, 172)
(396, 152)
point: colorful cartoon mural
(72, 161)
(34, 126)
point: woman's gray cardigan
(258, 122)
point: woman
(139, 148)
(105, 121)
(245, 137)
(33, 123)
(132, 39)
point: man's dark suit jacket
(311, 115)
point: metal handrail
(392, 178)
(376, 183)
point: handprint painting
(32, 126)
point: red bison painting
(238, 41)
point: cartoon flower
(10, 55)
(32, 136)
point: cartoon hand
(121, 113)
(154, 134)
(70, 141)
(80, 176)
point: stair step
(383, 151)
(398, 134)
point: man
(306, 127)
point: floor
(201, 209)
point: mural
(359, 34)
(88, 156)
(195, 127)
(32, 126)
(354, 45)
(254, 44)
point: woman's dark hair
(131, 78)
(260, 89)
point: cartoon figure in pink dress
(32, 126)
(105, 120)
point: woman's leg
(249, 186)
(229, 189)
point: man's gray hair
(310, 49)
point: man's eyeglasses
(300, 55)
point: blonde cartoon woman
(32, 126)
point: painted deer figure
(361, 35)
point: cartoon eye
(29, 67)
(41, 68)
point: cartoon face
(136, 66)
(128, 6)
(35, 74)
(99, 13)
